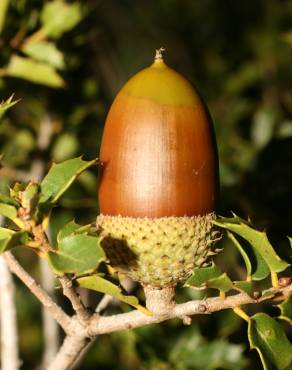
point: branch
(59, 315)
(135, 319)
(77, 305)
(69, 353)
(9, 341)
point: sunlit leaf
(61, 176)
(99, 284)
(268, 337)
(31, 70)
(10, 239)
(245, 286)
(58, 17)
(44, 51)
(77, 254)
(257, 239)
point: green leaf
(31, 70)
(210, 277)
(4, 105)
(193, 352)
(245, 286)
(202, 275)
(286, 309)
(44, 51)
(77, 254)
(268, 337)
(3, 9)
(58, 17)
(222, 283)
(61, 176)
(8, 200)
(242, 252)
(10, 239)
(257, 239)
(30, 197)
(65, 147)
(8, 211)
(99, 284)
(72, 228)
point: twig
(135, 319)
(70, 293)
(59, 315)
(9, 341)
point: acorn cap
(157, 251)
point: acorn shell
(158, 150)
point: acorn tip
(158, 54)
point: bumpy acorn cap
(159, 178)
(157, 251)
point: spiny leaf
(61, 176)
(72, 228)
(268, 337)
(242, 252)
(77, 254)
(10, 239)
(99, 284)
(257, 239)
(201, 275)
(209, 277)
(286, 309)
(4, 105)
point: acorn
(159, 179)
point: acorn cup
(159, 181)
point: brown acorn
(159, 179)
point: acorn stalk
(159, 179)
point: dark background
(239, 56)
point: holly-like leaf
(268, 337)
(44, 51)
(242, 252)
(10, 239)
(58, 17)
(99, 284)
(245, 286)
(222, 283)
(61, 176)
(202, 275)
(72, 228)
(257, 239)
(4, 105)
(286, 309)
(76, 254)
(209, 277)
(33, 71)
